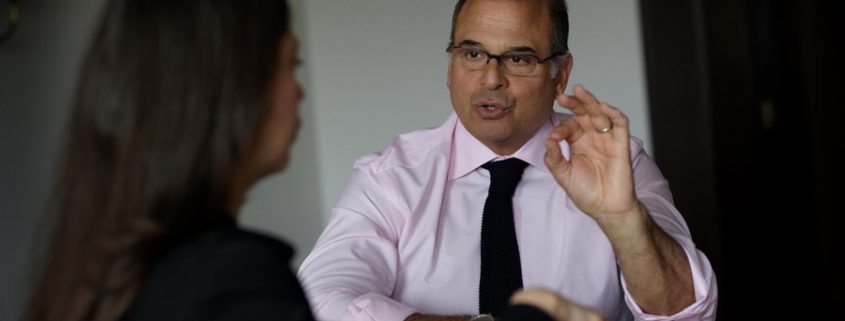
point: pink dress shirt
(404, 235)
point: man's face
(501, 110)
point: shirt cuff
(376, 307)
(704, 284)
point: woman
(181, 107)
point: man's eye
(473, 54)
(519, 60)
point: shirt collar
(468, 153)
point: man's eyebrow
(473, 43)
(522, 49)
(470, 43)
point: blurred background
(735, 99)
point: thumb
(554, 156)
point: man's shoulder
(411, 149)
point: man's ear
(563, 72)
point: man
(418, 234)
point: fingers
(555, 305)
(584, 103)
(554, 155)
(542, 299)
(581, 103)
(616, 117)
(572, 103)
(569, 130)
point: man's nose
(493, 76)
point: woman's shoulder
(238, 244)
(223, 270)
(246, 258)
(228, 257)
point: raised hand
(598, 175)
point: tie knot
(510, 167)
(505, 174)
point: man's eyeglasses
(517, 64)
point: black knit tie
(501, 273)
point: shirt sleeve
(653, 191)
(351, 273)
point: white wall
(606, 42)
(378, 69)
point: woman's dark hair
(169, 96)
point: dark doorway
(746, 102)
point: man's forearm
(654, 265)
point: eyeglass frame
(499, 57)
